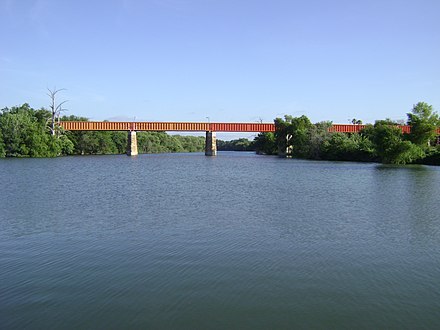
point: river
(237, 241)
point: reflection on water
(234, 241)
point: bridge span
(165, 126)
(209, 128)
(133, 127)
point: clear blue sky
(229, 60)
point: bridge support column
(132, 148)
(210, 144)
(286, 150)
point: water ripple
(239, 241)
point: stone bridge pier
(210, 144)
(132, 147)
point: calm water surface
(237, 241)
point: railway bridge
(209, 128)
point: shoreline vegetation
(382, 142)
(26, 132)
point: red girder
(165, 126)
(195, 127)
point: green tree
(65, 145)
(348, 147)
(265, 143)
(96, 143)
(298, 138)
(173, 143)
(18, 126)
(292, 136)
(241, 144)
(79, 139)
(120, 141)
(106, 143)
(318, 135)
(424, 122)
(391, 147)
(432, 157)
(25, 133)
(192, 143)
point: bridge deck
(165, 126)
(195, 127)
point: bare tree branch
(54, 108)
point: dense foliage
(26, 132)
(265, 144)
(236, 145)
(384, 141)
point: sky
(222, 60)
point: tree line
(26, 132)
(382, 142)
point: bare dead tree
(56, 109)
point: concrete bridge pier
(132, 147)
(286, 150)
(210, 144)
